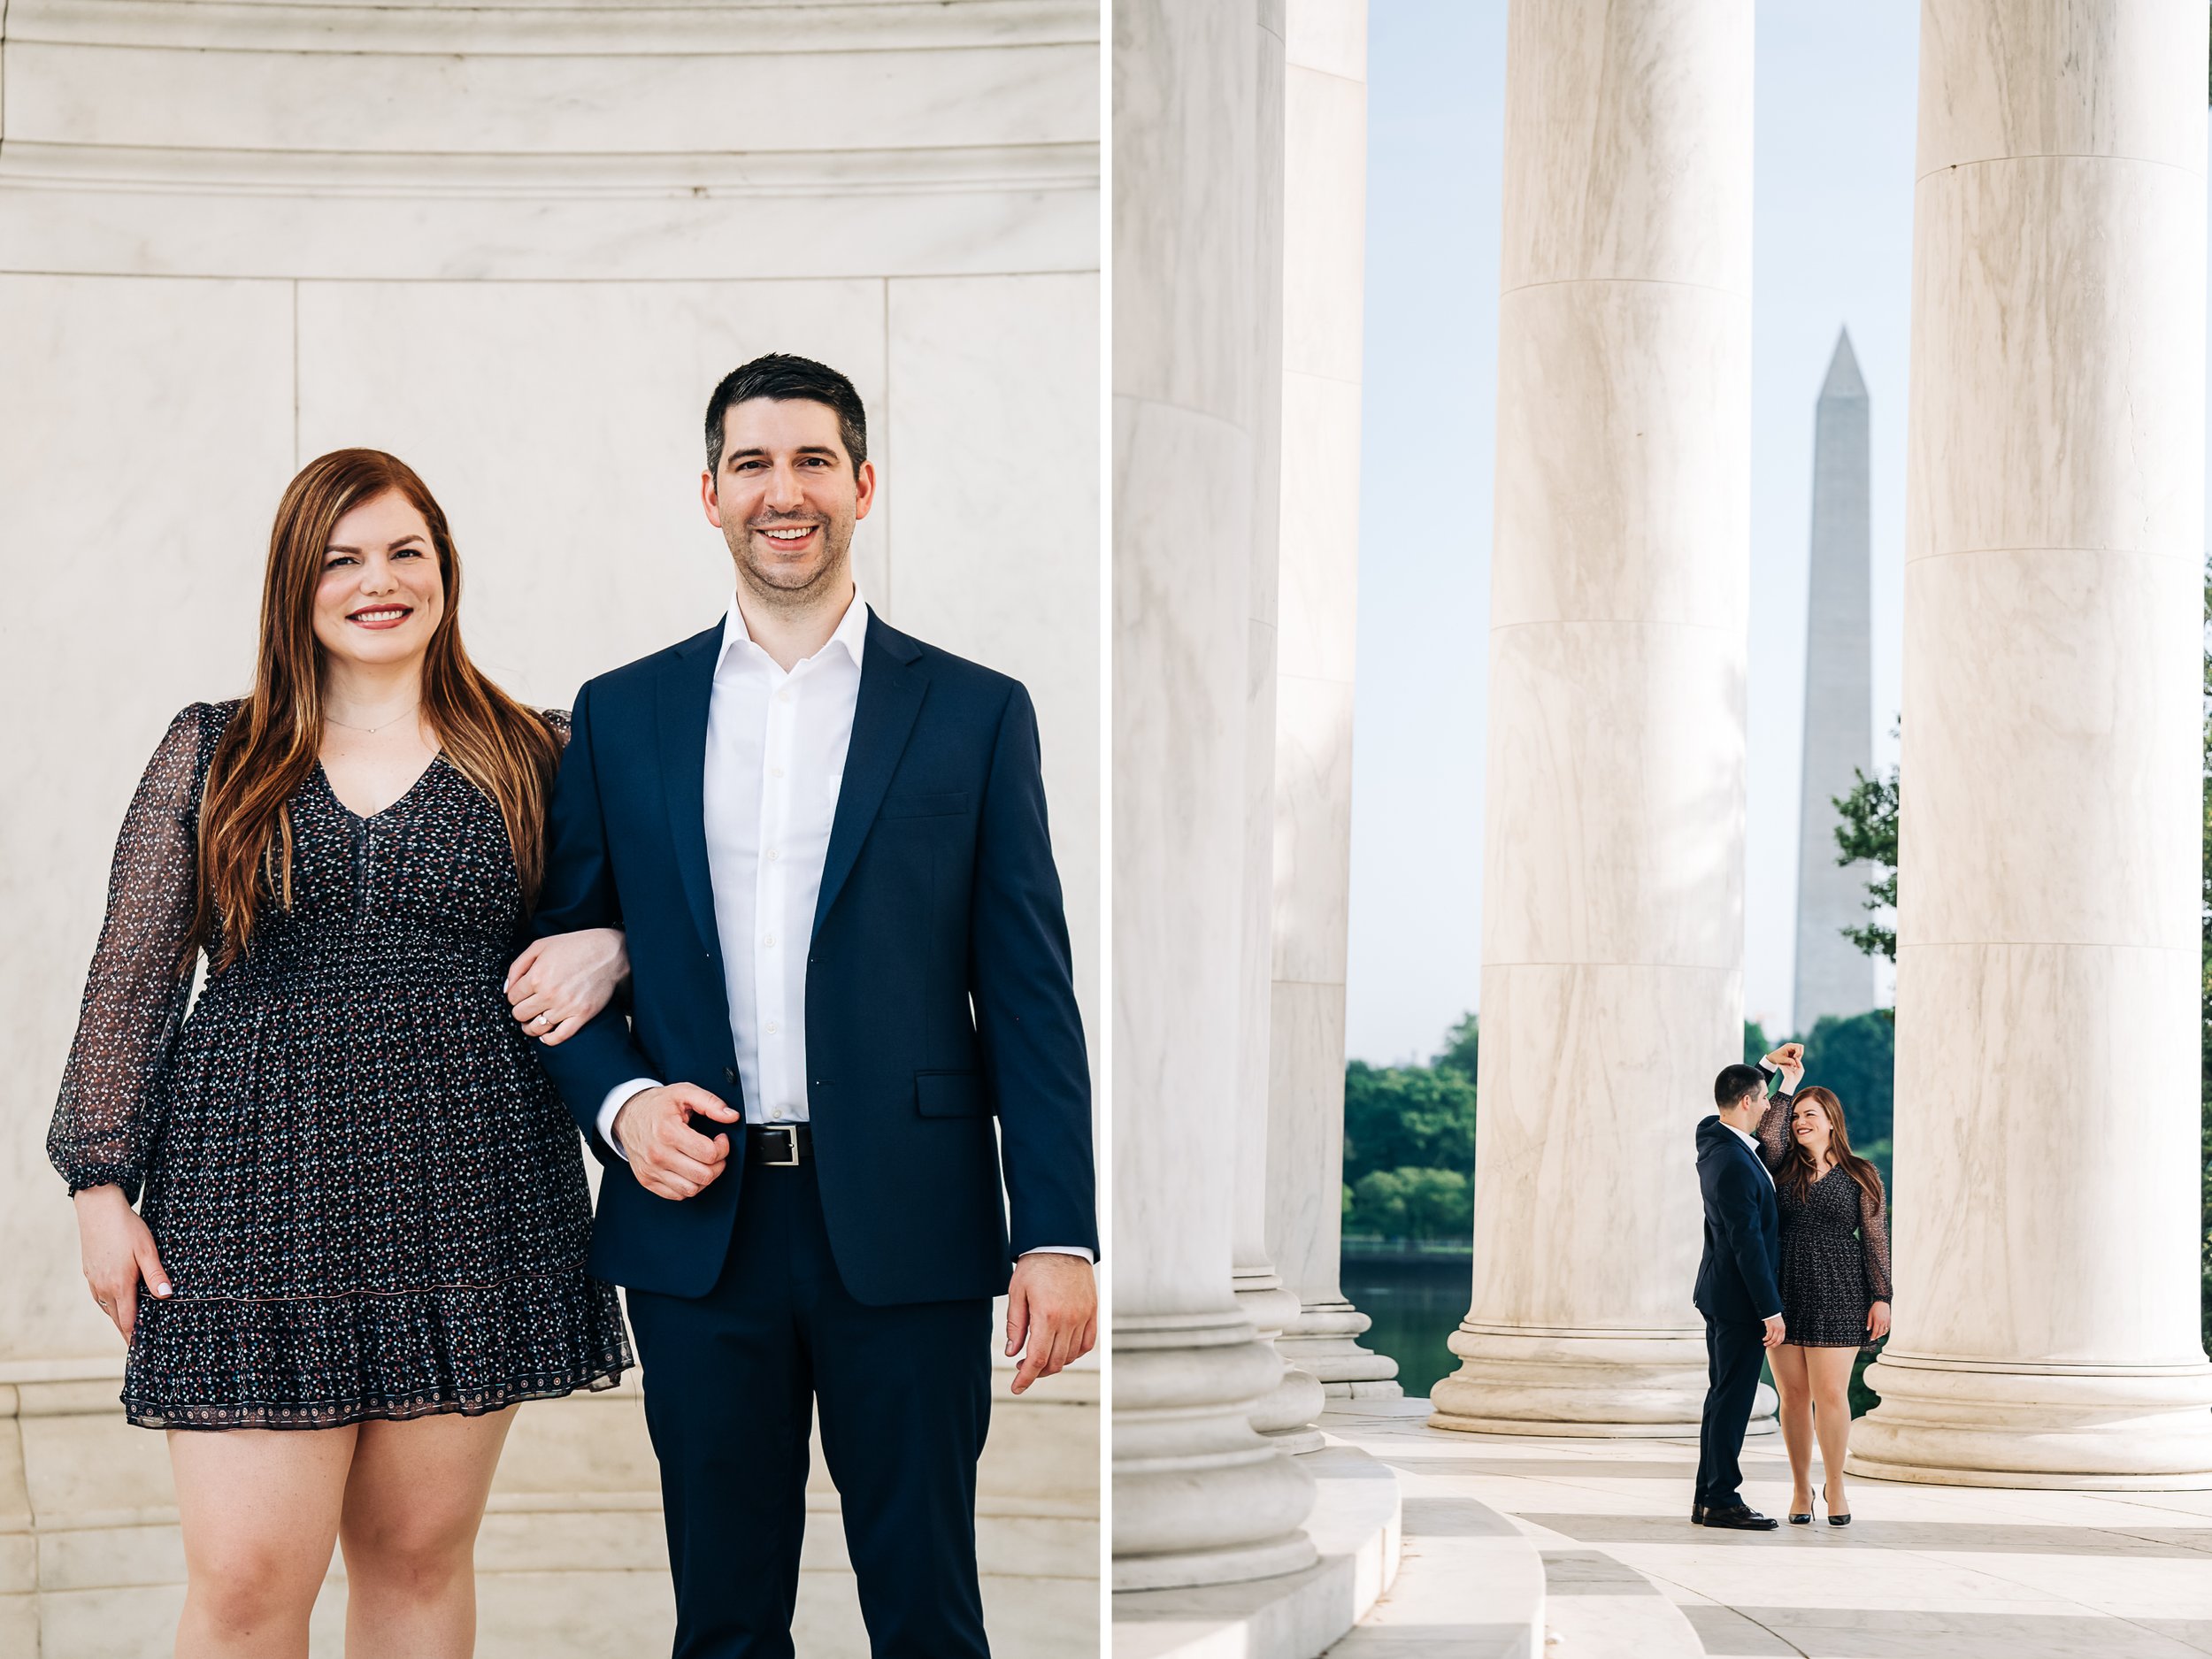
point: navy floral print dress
(369, 1200)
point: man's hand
(1052, 1306)
(1774, 1336)
(669, 1158)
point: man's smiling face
(786, 497)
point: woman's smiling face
(382, 595)
(1808, 1123)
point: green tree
(1755, 1046)
(1407, 1117)
(1414, 1203)
(1857, 1057)
(1459, 1048)
(1868, 834)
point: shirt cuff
(609, 1108)
(1060, 1249)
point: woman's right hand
(118, 1255)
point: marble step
(1354, 1527)
(1596, 1607)
(1470, 1585)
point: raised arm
(1774, 1123)
(134, 997)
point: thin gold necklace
(371, 731)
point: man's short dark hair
(1734, 1082)
(786, 380)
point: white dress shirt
(775, 762)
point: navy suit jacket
(1743, 1252)
(943, 1045)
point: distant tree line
(1410, 1144)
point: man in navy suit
(852, 1022)
(1737, 1292)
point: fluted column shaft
(2047, 1099)
(1317, 611)
(1199, 1496)
(1612, 871)
(1285, 1416)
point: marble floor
(1922, 1573)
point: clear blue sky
(1836, 95)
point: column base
(1200, 1497)
(1962, 1422)
(1322, 1341)
(1285, 1416)
(1598, 1384)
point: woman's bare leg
(412, 1507)
(1787, 1362)
(259, 1511)
(1830, 1372)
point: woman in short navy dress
(362, 1216)
(1835, 1276)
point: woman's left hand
(1877, 1322)
(559, 984)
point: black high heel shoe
(1806, 1519)
(1833, 1519)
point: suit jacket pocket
(951, 806)
(950, 1094)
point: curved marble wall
(515, 244)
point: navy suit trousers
(733, 1379)
(1732, 1353)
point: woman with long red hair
(361, 1219)
(1835, 1276)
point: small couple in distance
(1796, 1268)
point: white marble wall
(1317, 609)
(1613, 852)
(2047, 1320)
(1199, 1497)
(516, 246)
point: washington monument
(1833, 976)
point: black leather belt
(778, 1146)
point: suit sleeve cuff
(611, 1107)
(1060, 1249)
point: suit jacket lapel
(891, 692)
(685, 690)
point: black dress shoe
(1740, 1518)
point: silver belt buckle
(791, 1144)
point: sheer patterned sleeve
(557, 723)
(1874, 1239)
(135, 993)
(1774, 1131)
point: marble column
(1324, 221)
(2047, 1097)
(1199, 1495)
(1285, 1415)
(1612, 915)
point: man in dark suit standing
(852, 1020)
(1737, 1292)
